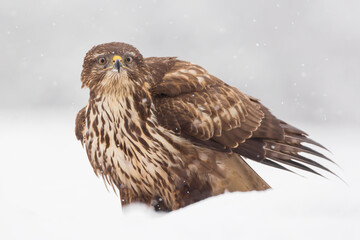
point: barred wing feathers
(200, 107)
(193, 103)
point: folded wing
(200, 107)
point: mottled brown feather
(200, 110)
(167, 133)
(191, 102)
(80, 124)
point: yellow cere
(116, 57)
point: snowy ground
(48, 191)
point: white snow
(49, 191)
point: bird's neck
(132, 102)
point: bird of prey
(167, 133)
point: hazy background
(301, 58)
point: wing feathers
(299, 166)
(274, 154)
(210, 113)
(275, 165)
(193, 103)
(298, 139)
(283, 147)
(80, 124)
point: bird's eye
(102, 60)
(128, 60)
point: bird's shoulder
(173, 77)
(199, 106)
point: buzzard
(167, 133)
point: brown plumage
(167, 133)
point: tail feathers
(215, 174)
(237, 176)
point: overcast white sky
(300, 57)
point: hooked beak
(117, 63)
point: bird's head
(113, 67)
